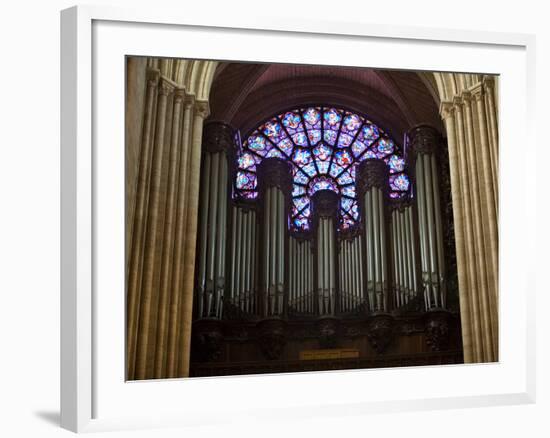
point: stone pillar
(325, 209)
(161, 215)
(471, 124)
(274, 178)
(423, 144)
(372, 188)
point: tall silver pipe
(413, 252)
(358, 283)
(273, 237)
(377, 284)
(267, 249)
(431, 228)
(222, 184)
(248, 261)
(237, 272)
(438, 228)
(394, 258)
(244, 260)
(408, 242)
(361, 269)
(341, 274)
(253, 264)
(291, 270)
(213, 208)
(421, 213)
(384, 261)
(370, 250)
(398, 260)
(233, 248)
(309, 289)
(282, 258)
(406, 237)
(347, 274)
(204, 222)
(423, 230)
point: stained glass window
(324, 145)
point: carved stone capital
(423, 140)
(217, 136)
(166, 87)
(152, 77)
(325, 203)
(274, 172)
(372, 173)
(446, 109)
(458, 102)
(477, 91)
(202, 109)
(179, 95)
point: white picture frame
(93, 396)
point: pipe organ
(301, 300)
(423, 144)
(403, 253)
(274, 180)
(325, 205)
(351, 278)
(252, 266)
(372, 186)
(244, 255)
(213, 226)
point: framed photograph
(321, 209)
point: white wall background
(29, 217)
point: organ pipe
(212, 236)
(423, 143)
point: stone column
(201, 112)
(275, 181)
(470, 121)
(372, 188)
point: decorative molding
(272, 338)
(325, 203)
(152, 77)
(274, 172)
(380, 332)
(329, 330)
(400, 204)
(202, 108)
(438, 330)
(218, 137)
(423, 140)
(372, 173)
(207, 340)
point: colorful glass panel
(324, 146)
(399, 182)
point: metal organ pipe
(204, 226)
(438, 230)
(423, 232)
(408, 241)
(431, 232)
(413, 252)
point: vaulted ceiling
(245, 94)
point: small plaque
(329, 353)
